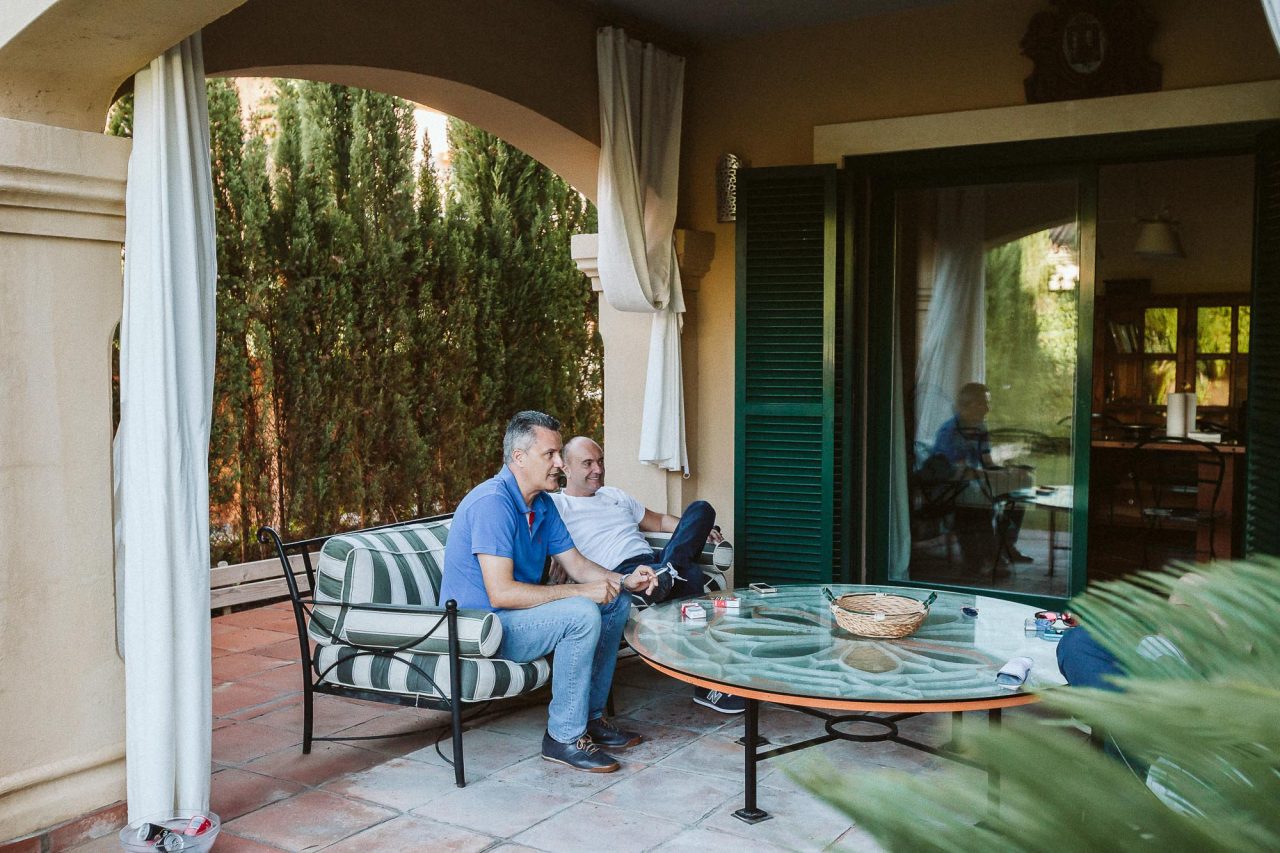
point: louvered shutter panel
(1262, 529)
(785, 414)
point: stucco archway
(525, 72)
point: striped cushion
(479, 631)
(398, 566)
(482, 678)
(402, 565)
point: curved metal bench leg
(308, 718)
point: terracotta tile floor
(677, 791)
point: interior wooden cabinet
(1149, 346)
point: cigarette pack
(693, 610)
(728, 602)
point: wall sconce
(727, 187)
(1157, 238)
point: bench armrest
(399, 627)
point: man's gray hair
(522, 430)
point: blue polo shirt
(962, 445)
(494, 519)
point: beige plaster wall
(61, 681)
(61, 61)
(761, 98)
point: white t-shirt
(605, 527)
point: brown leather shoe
(606, 734)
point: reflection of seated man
(608, 525)
(964, 442)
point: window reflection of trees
(1031, 345)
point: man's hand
(715, 537)
(601, 591)
(642, 580)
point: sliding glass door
(985, 334)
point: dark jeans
(1084, 663)
(682, 550)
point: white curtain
(162, 446)
(899, 490)
(1272, 8)
(953, 346)
(641, 97)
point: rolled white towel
(1014, 674)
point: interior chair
(371, 627)
(1103, 480)
(933, 493)
(1177, 489)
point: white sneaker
(725, 703)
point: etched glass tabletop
(788, 645)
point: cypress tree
(537, 341)
(240, 488)
(374, 334)
(309, 322)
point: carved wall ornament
(1090, 49)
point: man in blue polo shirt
(499, 541)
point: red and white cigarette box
(693, 610)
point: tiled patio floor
(676, 791)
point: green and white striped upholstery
(716, 560)
(400, 566)
(482, 678)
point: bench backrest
(397, 565)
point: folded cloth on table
(1014, 674)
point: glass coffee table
(786, 648)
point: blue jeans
(584, 637)
(686, 543)
(1084, 663)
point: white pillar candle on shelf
(1189, 418)
(1175, 415)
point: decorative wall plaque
(1090, 49)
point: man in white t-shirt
(607, 526)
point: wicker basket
(879, 615)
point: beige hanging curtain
(641, 97)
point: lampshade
(1158, 239)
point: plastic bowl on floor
(134, 835)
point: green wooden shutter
(1262, 529)
(785, 413)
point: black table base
(752, 741)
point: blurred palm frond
(1199, 706)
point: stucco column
(62, 701)
(626, 344)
